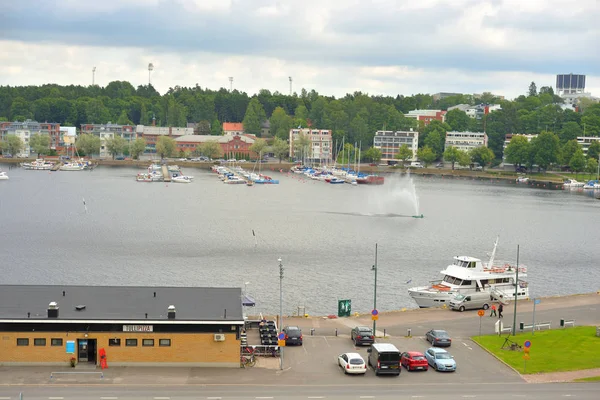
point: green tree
(40, 144)
(115, 145)
(20, 109)
(482, 155)
(124, 119)
(144, 116)
(372, 154)
(165, 146)
(301, 146)
(254, 117)
(89, 144)
(464, 159)
(280, 123)
(458, 120)
(594, 150)
(570, 130)
(435, 141)
(203, 127)
(13, 144)
(517, 151)
(591, 166)
(211, 149)
(546, 149)
(567, 151)
(452, 155)
(426, 155)
(532, 89)
(258, 147)
(577, 162)
(138, 146)
(216, 129)
(280, 148)
(404, 153)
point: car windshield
(356, 361)
(418, 358)
(459, 297)
(364, 331)
(293, 332)
(443, 356)
(440, 334)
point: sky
(379, 47)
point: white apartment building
(586, 141)
(388, 142)
(466, 140)
(321, 144)
(476, 111)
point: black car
(362, 335)
(438, 338)
(293, 335)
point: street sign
(526, 357)
(527, 344)
(281, 343)
(481, 313)
(344, 308)
(374, 312)
(537, 301)
(374, 317)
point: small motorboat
(572, 183)
(3, 176)
(180, 179)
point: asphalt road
(461, 391)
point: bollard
(521, 325)
(383, 332)
(335, 331)
(312, 331)
(562, 323)
(408, 333)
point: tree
(458, 120)
(216, 129)
(517, 151)
(545, 148)
(13, 144)
(165, 146)
(254, 117)
(280, 148)
(115, 145)
(451, 155)
(124, 119)
(568, 150)
(138, 146)
(435, 141)
(301, 146)
(464, 159)
(532, 89)
(40, 144)
(404, 153)
(373, 154)
(258, 146)
(591, 166)
(482, 155)
(594, 150)
(211, 149)
(426, 155)
(578, 162)
(280, 123)
(570, 130)
(89, 144)
(203, 127)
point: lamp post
(280, 310)
(374, 268)
(514, 327)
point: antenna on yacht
(84, 206)
(493, 255)
(255, 240)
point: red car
(414, 360)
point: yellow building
(131, 326)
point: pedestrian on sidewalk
(500, 309)
(493, 312)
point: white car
(352, 363)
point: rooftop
(233, 126)
(121, 302)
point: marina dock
(166, 175)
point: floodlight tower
(93, 76)
(150, 69)
(231, 83)
(290, 85)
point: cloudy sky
(333, 46)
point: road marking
(263, 397)
(469, 395)
(162, 398)
(4, 398)
(55, 398)
(467, 346)
(213, 398)
(326, 341)
(416, 397)
(367, 397)
(315, 397)
(108, 398)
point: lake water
(201, 234)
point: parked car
(440, 359)
(293, 335)
(361, 335)
(413, 360)
(416, 164)
(439, 338)
(352, 363)
(439, 165)
(120, 158)
(384, 358)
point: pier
(165, 172)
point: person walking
(500, 309)
(493, 312)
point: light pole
(93, 76)
(290, 85)
(514, 327)
(374, 268)
(280, 310)
(231, 83)
(150, 69)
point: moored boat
(39, 164)
(3, 176)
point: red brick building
(426, 116)
(232, 146)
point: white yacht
(572, 183)
(38, 164)
(471, 275)
(72, 166)
(3, 176)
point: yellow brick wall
(186, 348)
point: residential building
(426, 116)
(321, 144)
(232, 146)
(476, 111)
(586, 141)
(233, 128)
(109, 131)
(26, 129)
(466, 140)
(68, 136)
(388, 142)
(571, 88)
(508, 137)
(151, 134)
(128, 326)
(265, 129)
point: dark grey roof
(121, 302)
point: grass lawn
(591, 379)
(568, 349)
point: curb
(502, 361)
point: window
(131, 342)
(39, 342)
(114, 342)
(147, 342)
(56, 342)
(22, 342)
(164, 342)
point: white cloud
(332, 46)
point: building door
(92, 351)
(82, 350)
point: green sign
(344, 308)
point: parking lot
(317, 361)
